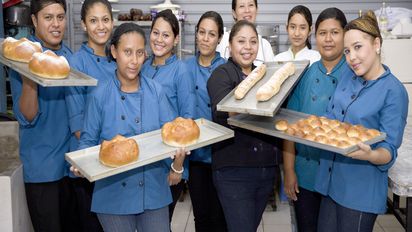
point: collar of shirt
(368, 83)
(214, 60)
(90, 50)
(118, 85)
(240, 68)
(305, 49)
(169, 60)
(322, 68)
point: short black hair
(38, 5)
(234, 3)
(331, 13)
(87, 4)
(213, 15)
(169, 17)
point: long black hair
(169, 17)
(213, 15)
(305, 12)
(331, 13)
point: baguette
(272, 86)
(250, 81)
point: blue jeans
(334, 217)
(156, 220)
(244, 193)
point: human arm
(290, 180)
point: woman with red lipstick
(312, 96)
(243, 167)
(299, 27)
(355, 187)
(246, 10)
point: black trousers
(307, 210)
(176, 192)
(207, 210)
(43, 201)
(83, 192)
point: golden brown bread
(118, 151)
(180, 132)
(20, 50)
(49, 65)
(250, 81)
(272, 86)
(281, 125)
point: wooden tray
(249, 104)
(266, 125)
(75, 77)
(151, 147)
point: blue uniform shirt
(311, 96)
(380, 104)
(98, 67)
(44, 140)
(109, 112)
(200, 75)
(178, 86)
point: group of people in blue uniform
(230, 182)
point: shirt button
(123, 117)
(317, 80)
(123, 97)
(208, 105)
(353, 96)
(124, 184)
(343, 112)
(255, 149)
(141, 183)
(333, 106)
(137, 120)
(330, 97)
(365, 82)
(334, 81)
(197, 87)
(314, 98)
(330, 169)
(353, 78)
(98, 59)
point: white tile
(277, 228)
(190, 227)
(276, 218)
(393, 229)
(388, 220)
(377, 228)
(260, 228)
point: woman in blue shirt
(129, 104)
(91, 59)
(355, 186)
(44, 125)
(207, 211)
(164, 67)
(312, 96)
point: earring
(378, 51)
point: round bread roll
(334, 123)
(345, 125)
(49, 65)
(20, 50)
(321, 139)
(353, 132)
(293, 126)
(326, 128)
(340, 130)
(301, 123)
(319, 131)
(299, 133)
(310, 136)
(332, 134)
(118, 151)
(180, 132)
(343, 144)
(354, 140)
(333, 142)
(290, 131)
(373, 133)
(281, 125)
(315, 123)
(312, 118)
(306, 129)
(364, 136)
(324, 120)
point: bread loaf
(272, 86)
(250, 81)
(118, 151)
(180, 132)
(49, 65)
(20, 50)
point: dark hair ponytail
(305, 12)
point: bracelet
(176, 171)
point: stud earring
(378, 51)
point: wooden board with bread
(310, 130)
(265, 89)
(44, 68)
(150, 148)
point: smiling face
(130, 55)
(329, 40)
(361, 52)
(244, 47)
(207, 37)
(298, 31)
(98, 25)
(50, 23)
(162, 39)
(245, 9)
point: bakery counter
(400, 180)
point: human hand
(291, 184)
(174, 178)
(364, 153)
(76, 172)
